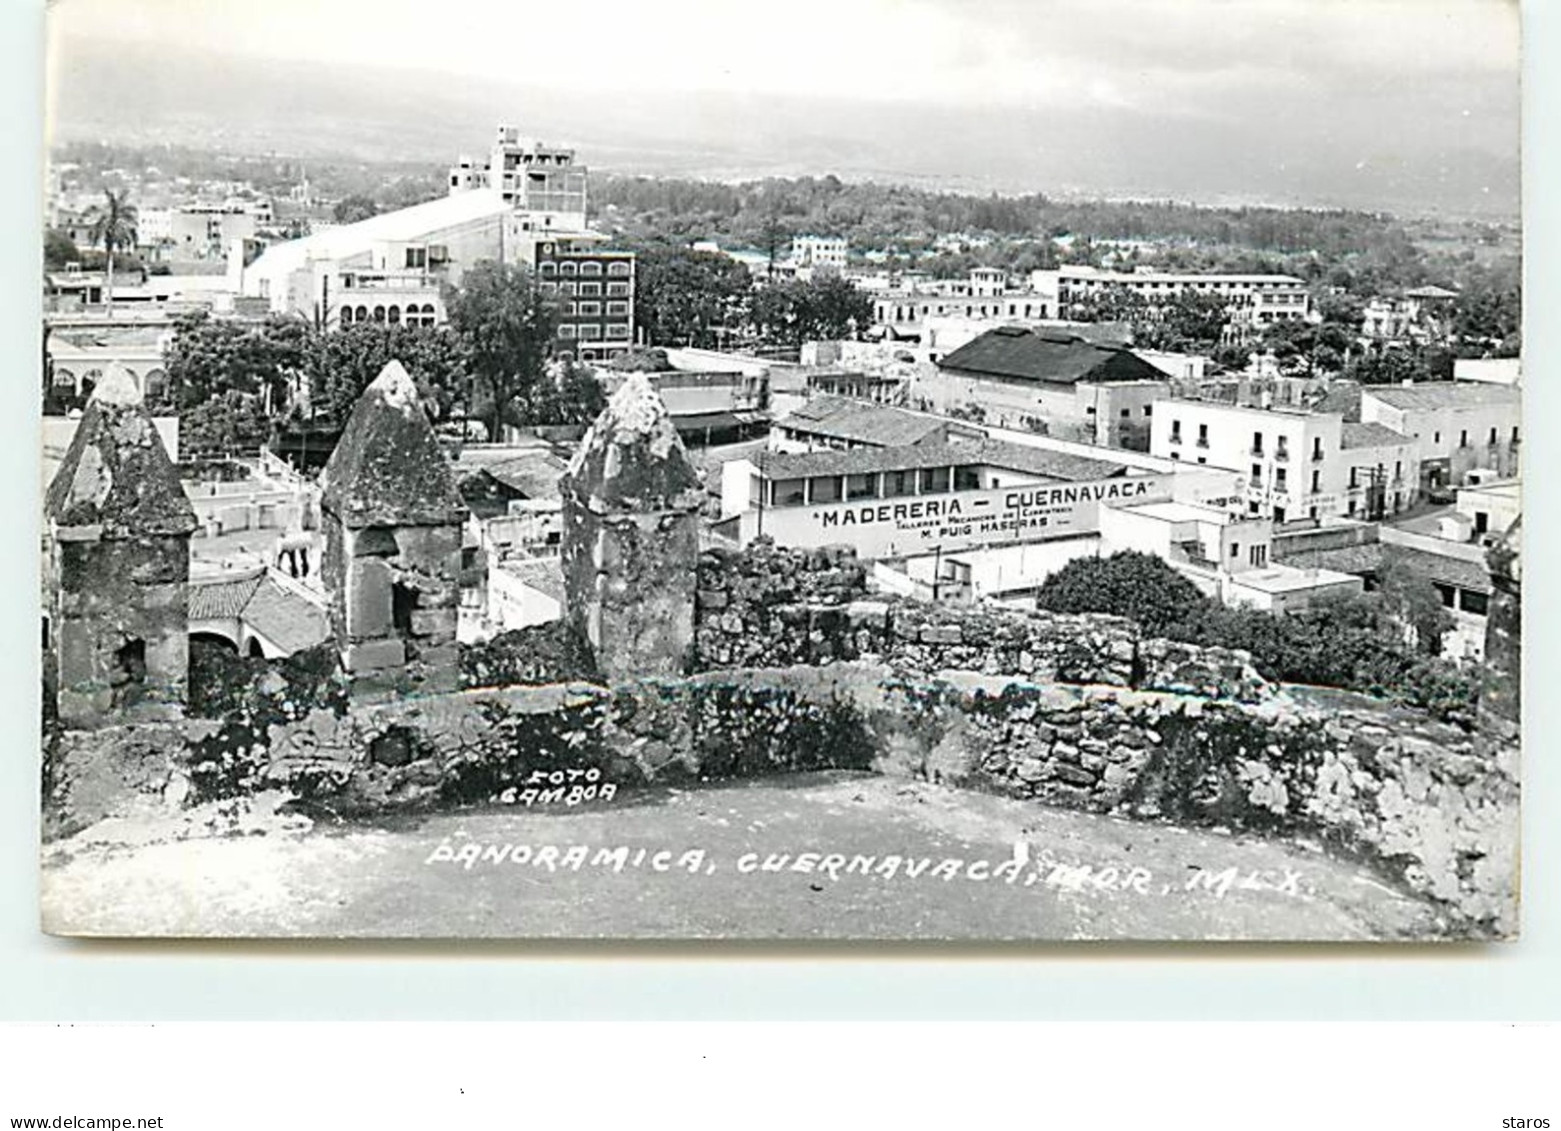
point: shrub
(1128, 584)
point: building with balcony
(1251, 301)
(1292, 464)
(528, 175)
(1457, 426)
(814, 252)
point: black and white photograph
(896, 470)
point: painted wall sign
(918, 524)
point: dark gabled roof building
(1013, 353)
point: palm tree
(113, 227)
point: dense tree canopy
(794, 311)
(688, 298)
(504, 325)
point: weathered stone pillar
(118, 539)
(631, 537)
(1501, 697)
(392, 518)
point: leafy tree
(343, 361)
(351, 209)
(1413, 602)
(569, 393)
(209, 357)
(113, 227)
(686, 298)
(505, 326)
(1127, 584)
(228, 422)
(59, 250)
(791, 312)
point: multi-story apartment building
(595, 291)
(1293, 464)
(197, 231)
(1456, 426)
(528, 175)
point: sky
(1425, 80)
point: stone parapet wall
(1428, 806)
(770, 606)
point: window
(1203, 435)
(1279, 479)
(861, 486)
(617, 330)
(416, 257)
(898, 483)
(1463, 438)
(1127, 412)
(1354, 477)
(1235, 549)
(1279, 514)
(824, 489)
(567, 286)
(1471, 602)
(1149, 410)
(1317, 447)
(1317, 480)
(590, 331)
(566, 308)
(1493, 437)
(590, 288)
(618, 308)
(1176, 431)
(566, 268)
(549, 288)
(1447, 593)
(1436, 437)
(1257, 474)
(618, 267)
(593, 309)
(1282, 448)
(934, 480)
(1257, 443)
(967, 479)
(1514, 435)
(591, 268)
(566, 330)
(548, 267)
(621, 290)
(1259, 554)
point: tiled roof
(862, 422)
(1060, 359)
(222, 599)
(545, 575)
(288, 620)
(1444, 394)
(1370, 558)
(989, 453)
(1370, 436)
(534, 474)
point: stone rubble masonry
(631, 537)
(769, 606)
(392, 518)
(118, 528)
(1430, 807)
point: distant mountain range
(135, 94)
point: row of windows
(414, 314)
(587, 267)
(1281, 443)
(1463, 437)
(873, 485)
(586, 331)
(594, 309)
(569, 287)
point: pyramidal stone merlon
(631, 537)
(118, 535)
(392, 517)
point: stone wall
(769, 606)
(1426, 805)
